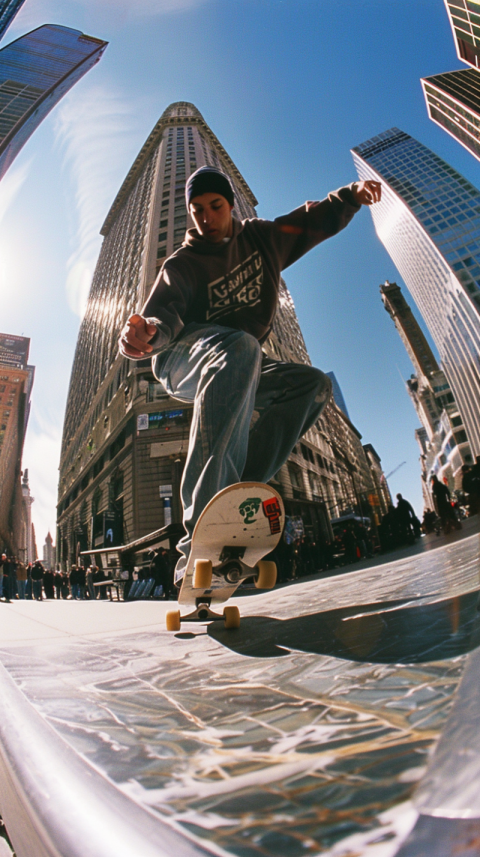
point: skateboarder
(210, 309)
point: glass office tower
(429, 222)
(36, 70)
(453, 102)
(8, 10)
(464, 18)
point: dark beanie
(208, 180)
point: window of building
(296, 477)
(98, 467)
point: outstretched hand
(135, 337)
(367, 193)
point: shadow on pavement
(382, 633)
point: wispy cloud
(95, 131)
(10, 187)
(11, 184)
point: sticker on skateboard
(238, 527)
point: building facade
(125, 441)
(16, 381)
(453, 102)
(446, 447)
(464, 17)
(8, 10)
(429, 223)
(49, 553)
(36, 71)
(381, 498)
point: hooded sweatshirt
(236, 282)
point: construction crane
(395, 470)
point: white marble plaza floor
(309, 730)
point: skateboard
(237, 528)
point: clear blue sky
(288, 86)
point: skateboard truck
(202, 613)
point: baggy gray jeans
(248, 411)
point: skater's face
(212, 215)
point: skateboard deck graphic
(239, 526)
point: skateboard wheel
(231, 617)
(172, 620)
(266, 577)
(202, 576)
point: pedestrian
(405, 518)
(443, 505)
(37, 580)
(428, 523)
(159, 570)
(29, 586)
(13, 578)
(49, 583)
(350, 544)
(22, 575)
(81, 576)
(390, 530)
(74, 586)
(7, 579)
(58, 582)
(211, 307)
(89, 582)
(99, 577)
(65, 590)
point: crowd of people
(304, 555)
(35, 582)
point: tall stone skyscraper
(124, 440)
(446, 448)
(8, 10)
(429, 222)
(36, 71)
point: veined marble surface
(306, 731)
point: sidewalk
(470, 526)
